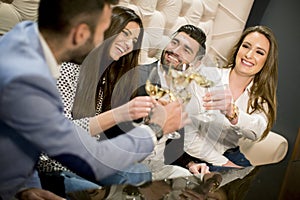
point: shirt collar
(50, 59)
(226, 79)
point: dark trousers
(234, 155)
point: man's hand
(170, 117)
(37, 194)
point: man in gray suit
(187, 46)
(31, 112)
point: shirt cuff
(152, 133)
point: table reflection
(216, 185)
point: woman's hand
(137, 108)
(219, 98)
(197, 168)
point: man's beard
(77, 56)
(166, 65)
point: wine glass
(209, 77)
(154, 89)
(153, 85)
(178, 81)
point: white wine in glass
(154, 89)
(209, 76)
(178, 83)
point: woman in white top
(246, 110)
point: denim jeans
(235, 156)
(73, 183)
(135, 174)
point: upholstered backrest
(271, 149)
(17, 11)
(222, 21)
(228, 24)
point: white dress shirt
(221, 135)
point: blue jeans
(73, 183)
(135, 174)
(235, 156)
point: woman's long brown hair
(99, 65)
(264, 85)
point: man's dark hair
(197, 34)
(59, 16)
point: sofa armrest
(271, 149)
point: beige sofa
(223, 21)
(17, 11)
(270, 150)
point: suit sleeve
(32, 107)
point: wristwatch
(235, 113)
(157, 129)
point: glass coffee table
(210, 186)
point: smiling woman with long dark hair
(97, 94)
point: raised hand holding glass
(209, 76)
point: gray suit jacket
(32, 120)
